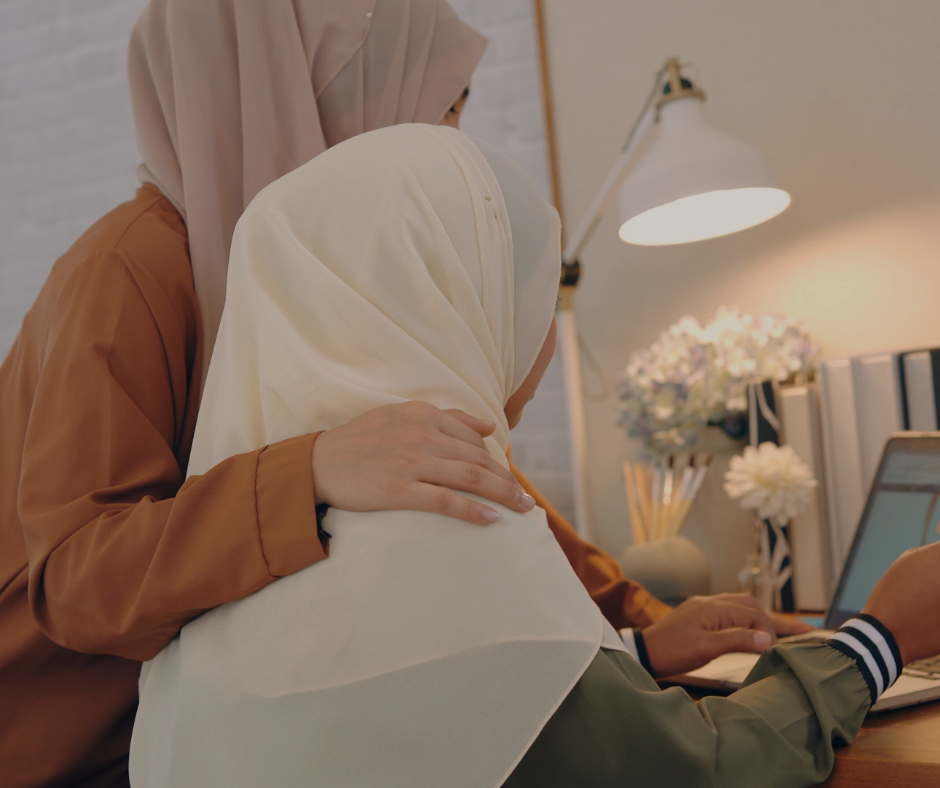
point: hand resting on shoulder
(414, 456)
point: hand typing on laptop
(704, 627)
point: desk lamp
(679, 179)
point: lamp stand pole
(574, 394)
(571, 269)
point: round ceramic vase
(672, 569)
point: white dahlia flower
(772, 480)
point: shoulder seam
(143, 212)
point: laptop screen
(903, 511)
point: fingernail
(527, 501)
(761, 640)
(489, 515)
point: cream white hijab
(229, 95)
(425, 651)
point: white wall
(841, 96)
(505, 108)
(67, 154)
(67, 151)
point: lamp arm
(570, 268)
(608, 191)
(567, 327)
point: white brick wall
(67, 152)
(506, 109)
(67, 155)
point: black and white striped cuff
(871, 644)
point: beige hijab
(229, 95)
(402, 264)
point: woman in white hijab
(428, 652)
(383, 271)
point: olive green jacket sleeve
(617, 728)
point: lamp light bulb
(706, 215)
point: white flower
(771, 479)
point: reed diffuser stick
(660, 494)
(637, 525)
(656, 499)
(692, 484)
(669, 488)
(644, 481)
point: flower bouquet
(694, 376)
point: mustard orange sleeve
(282, 504)
(623, 602)
(122, 552)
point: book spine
(935, 378)
(879, 408)
(841, 455)
(809, 533)
(764, 426)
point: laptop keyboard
(923, 668)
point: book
(763, 416)
(920, 387)
(862, 404)
(841, 456)
(809, 533)
(879, 409)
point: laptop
(902, 511)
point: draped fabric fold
(398, 265)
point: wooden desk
(895, 748)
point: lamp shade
(695, 182)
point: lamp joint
(676, 86)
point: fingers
(458, 460)
(445, 447)
(735, 639)
(740, 613)
(780, 625)
(453, 422)
(467, 447)
(480, 480)
(440, 500)
(788, 625)
(481, 427)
